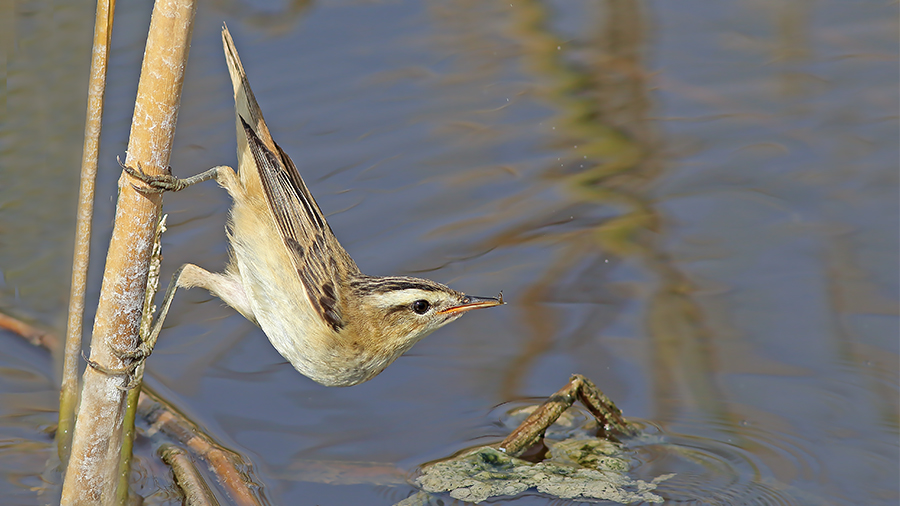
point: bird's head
(391, 314)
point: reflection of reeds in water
(599, 87)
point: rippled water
(694, 204)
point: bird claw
(136, 357)
(156, 183)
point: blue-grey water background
(694, 204)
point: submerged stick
(195, 490)
(221, 462)
(33, 334)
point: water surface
(693, 204)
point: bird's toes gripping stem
(156, 183)
(134, 357)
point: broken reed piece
(612, 424)
(196, 491)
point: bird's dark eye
(421, 306)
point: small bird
(289, 274)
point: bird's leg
(225, 286)
(612, 424)
(136, 357)
(167, 182)
(157, 184)
(148, 343)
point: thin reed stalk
(68, 394)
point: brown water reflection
(694, 204)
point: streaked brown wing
(320, 260)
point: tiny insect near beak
(470, 302)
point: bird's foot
(155, 183)
(133, 357)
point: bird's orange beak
(469, 303)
